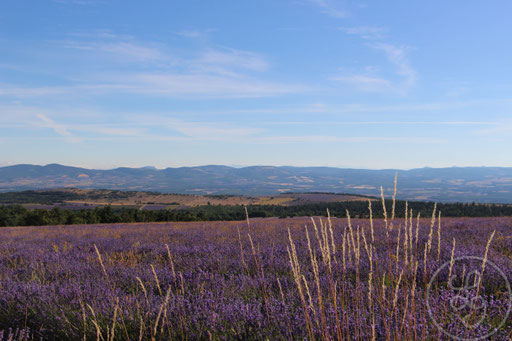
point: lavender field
(275, 279)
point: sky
(362, 84)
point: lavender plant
(277, 279)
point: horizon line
(245, 166)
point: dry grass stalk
(410, 237)
(320, 240)
(395, 299)
(417, 232)
(247, 219)
(84, 318)
(484, 262)
(432, 222)
(102, 266)
(156, 280)
(314, 266)
(358, 247)
(397, 253)
(171, 261)
(439, 237)
(402, 324)
(406, 213)
(451, 261)
(406, 246)
(425, 251)
(310, 300)
(369, 251)
(295, 266)
(242, 255)
(383, 286)
(164, 304)
(343, 250)
(114, 320)
(182, 285)
(284, 307)
(333, 245)
(371, 219)
(111, 285)
(384, 209)
(141, 329)
(394, 199)
(370, 305)
(352, 239)
(327, 244)
(95, 322)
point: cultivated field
(275, 279)
(85, 198)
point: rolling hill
(463, 184)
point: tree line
(17, 215)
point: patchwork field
(88, 199)
(254, 281)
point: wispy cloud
(60, 129)
(366, 82)
(370, 82)
(194, 34)
(366, 32)
(80, 2)
(397, 56)
(66, 123)
(190, 33)
(72, 127)
(232, 58)
(351, 139)
(125, 48)
(107, 129)
(153, 71)
(10, 90)
(204, 85)
(121, 50)
(212, 131)
(332, 8)
(168, 128)
(388, 123)
(167, 85)
(503, 128)
(193, 129)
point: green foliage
(19, 216)
(37, 197)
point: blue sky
(366, 84)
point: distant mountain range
(464, 184)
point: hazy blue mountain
(467, 184)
